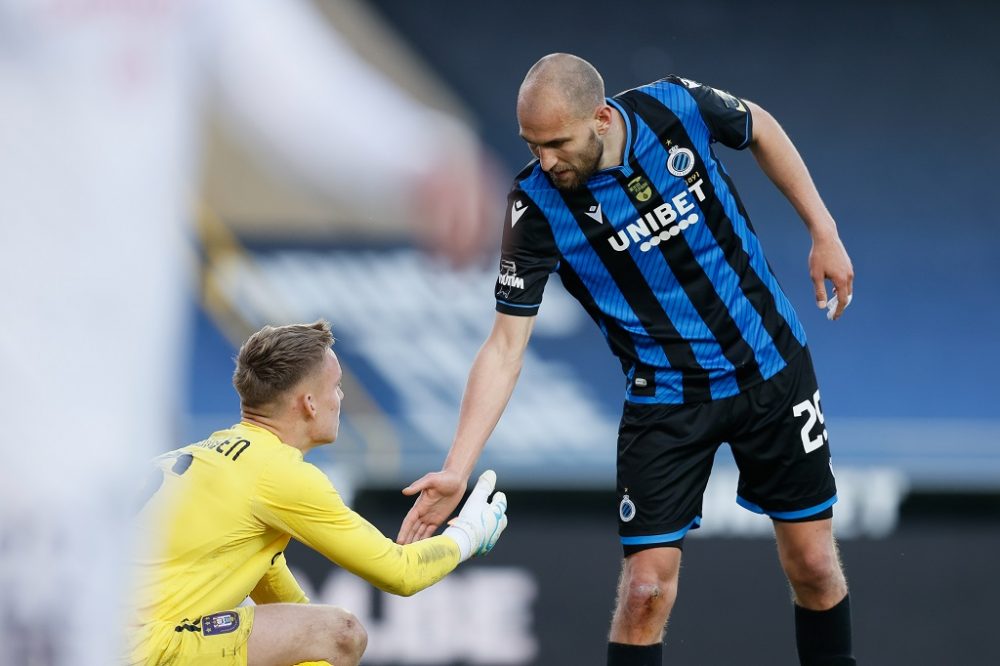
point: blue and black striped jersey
(659, 251)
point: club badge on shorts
(626, 510)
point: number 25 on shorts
(813, 413)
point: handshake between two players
(480, 522)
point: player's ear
(307, 405)
(603, 116)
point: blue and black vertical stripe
(729, 222)
(697, 317)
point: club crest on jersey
(626, 510)
(220, 623)
(680, 162)
(508, 279)
(640, 189)
(662, 223)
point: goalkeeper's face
(326, 398)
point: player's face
(569, 149)
(327, 396)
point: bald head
(563, 117)
(564, 81)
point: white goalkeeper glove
(478, 525)
(831, 306)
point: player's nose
(547, 159)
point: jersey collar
(260, 434)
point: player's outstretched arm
(491, 382)
(782, 163)
(298, 499)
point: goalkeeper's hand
(478, 525)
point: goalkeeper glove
(479, 524)
(831, 306)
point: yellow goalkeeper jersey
(215, 529)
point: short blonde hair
(276, 358)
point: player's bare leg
(646, 593)
(809, 557)
(288, 634)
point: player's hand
(480, 523)
(828, 260)
(440, 493)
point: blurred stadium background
(892, 106)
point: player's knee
(346, 635)
(351, 636)
(814, 569)
(649, 597)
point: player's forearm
(491, 382)
(781, 162)
(430, 561)
(347, 539)
(405, 570)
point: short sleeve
(727, 116)
(527, 257)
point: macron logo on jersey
(594, 213)
(662, 223)
(516, 211)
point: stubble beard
(589, 163)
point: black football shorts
(778, 438)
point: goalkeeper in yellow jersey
(223, 510)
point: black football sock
(620, 654)
(824, 637)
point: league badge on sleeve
(732, 102)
